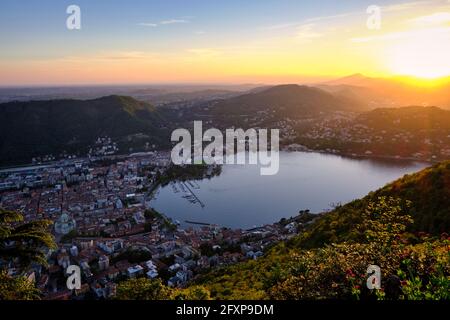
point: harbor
(187, 188)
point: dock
(198, 223)
(194, 195)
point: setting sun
(422, 53)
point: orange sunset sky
(208, 41)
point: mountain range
(37, 128)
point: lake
(241, 198)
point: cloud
(282, 26)
(147, 24)
(336, 16)
(205, 52)
(308, 22)
(299, 31)
(387, 36)
(123, 55)
(384, 9)
(111, 56)
(436, 18)
(362, 12)
(408, 5)
(422, 33)
(174, 21)
(163, 22)
(306, 32)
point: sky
(199, 41)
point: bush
(143, 289)
(17, 288)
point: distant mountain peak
(289, 99)
(355, 79)
(354, 76)
(289, 86)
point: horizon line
(219, 83)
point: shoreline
(285, 148)
(364, 156)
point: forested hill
(429, 193)
(287, 100)
(34, 128)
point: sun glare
(423, 54)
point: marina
(191, 196)
(187, 189)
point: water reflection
(241, 198)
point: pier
(198, 223)
(194, 195)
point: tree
(385, 220)
(67, 238)
(148, 227)
(143, 289)
(24, 242)
(18, 288)
(192, 293)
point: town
(103, 221)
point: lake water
(241, 198)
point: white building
(152, 270)
(74, 251)
(135, 271)
(103, 262)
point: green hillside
(411, 118)
(36, 128)
(428, 191)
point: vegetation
(152, 214)
(147, 289)
(143, 289)
(330, 257)
(67, 238)
(133, 256)
(23, 243)
(418, 132)
(54, 127)
(414, 119)
(327, 260)
(409, 271)
(17, 288)
(37, 128)
(427, 193)
(187, 172)
(288, 100)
